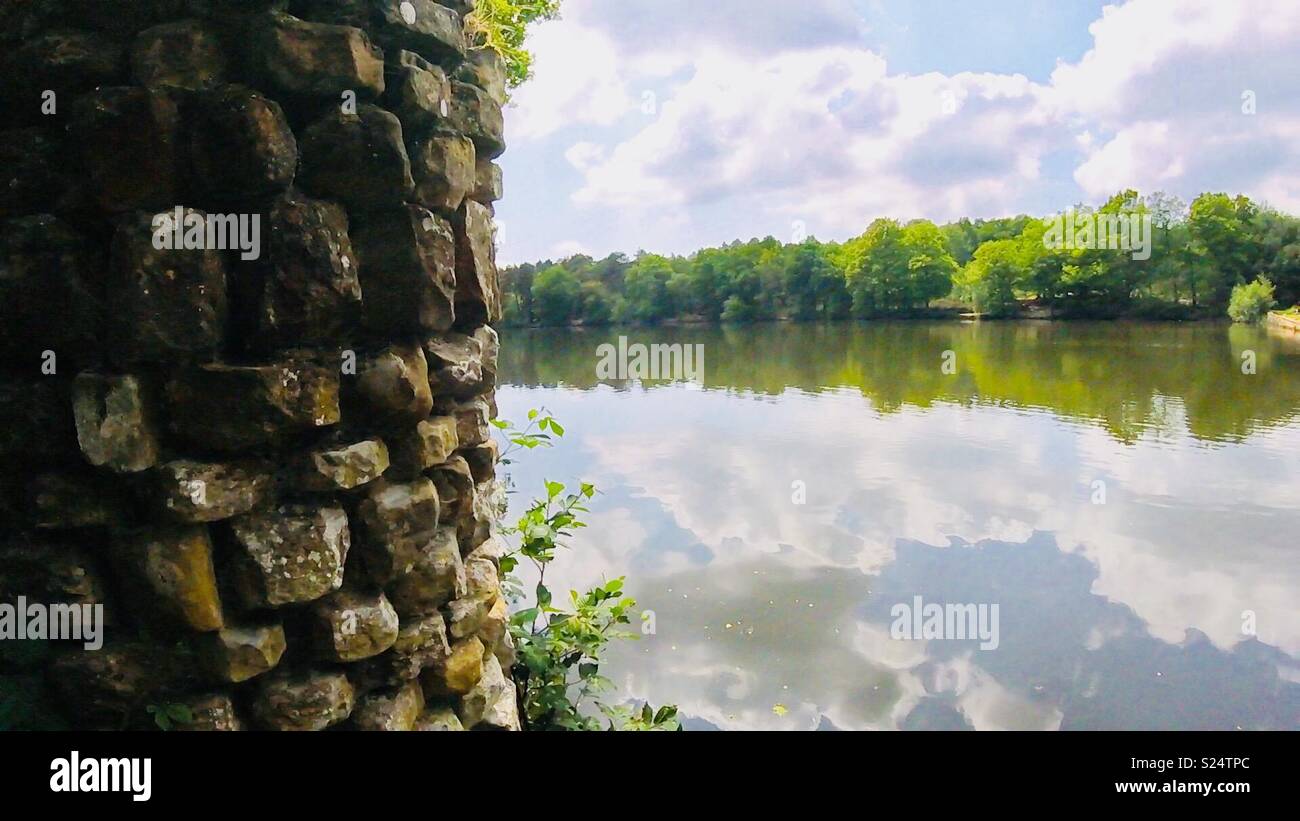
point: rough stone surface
(409, 269)
(390, 711)
(174, 565)
(431, 443)
(438, 719)
(418, 92)
(241, 145)
(233, 407)
(485, 69)
(456, 489)
(478, 294)
(315, 59)
(186, 54)
(491, 704)
(357, 159)
(467, 615)
(476, 115)
(305, 701)
(455, 365)
(393, 386)
(343, 467)
(114, 425)
(312, 294)
(292, 554)
(444, 169)
(435, 577)
(239, 653)
(213, 712)
(458, 673)
(488, 183)
(482, 460)
(164, 304)
(428, 28)
(198, 419)
(351, 625)
(192, 491)
(396, 523)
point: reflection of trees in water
(1129, 378)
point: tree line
(1197, 255)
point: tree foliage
(502, 25)
(1198, 254)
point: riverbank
(957, 313)
(1284, 320)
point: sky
(673, 125)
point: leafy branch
(502, 25)
(559, 648)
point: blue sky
(670, 125)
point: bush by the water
(1252, 301)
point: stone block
(351, 625)
(306, 59)
(408, 270)
(431, 443)
(174, 566)
(312, 292)
(291, 555)
(357, 159)
(164, 304)
(242, 146)
(185, 54)
(239, 407)
(392, 387)
(303, 701)
(389, 710)
(435, 577)
(478, 293)
(444, 169)
(115, 424)
(396, 523)
(341, 467)
(238, 653)
(132, 147)
(193, 491)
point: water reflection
(976, 487)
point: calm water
(978, 487)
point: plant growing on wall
(501, 25)
(559, 646)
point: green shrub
(1252, 301)
(501, 25)
(559, 646)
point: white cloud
(792, 117)
(576, 81)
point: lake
(1122, 496)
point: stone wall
(273, 470)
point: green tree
(992, 276)
(645, 290)
(556, 296)
(1221, 236)
(596, 304)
